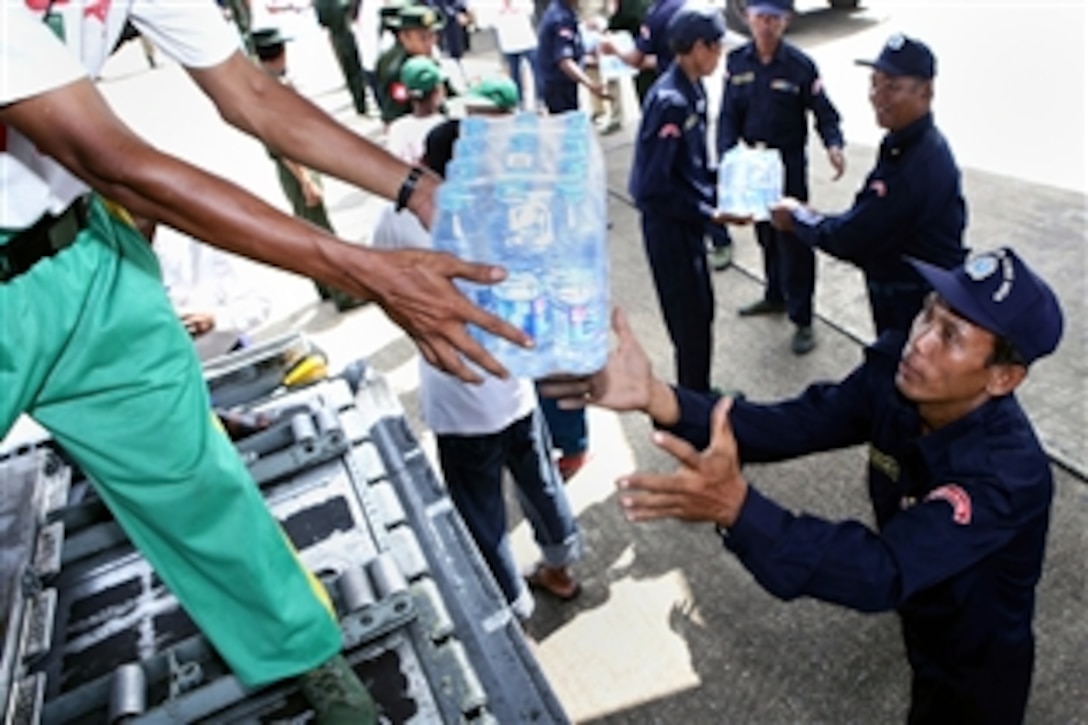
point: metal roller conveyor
(94, 637)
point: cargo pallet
(91, 634)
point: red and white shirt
(34, 61)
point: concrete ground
(670, 628)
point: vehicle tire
(843, 4)
(735, 14)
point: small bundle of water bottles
(750, 181)
(528, 192)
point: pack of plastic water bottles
(749, 181)
(528, 192)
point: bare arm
(626, 382)
(632, 57)
(256, 103)
(707, 486)
(573, 71)
(75, 126)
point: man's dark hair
(438, 146)
(680, 48)
(270, 52)
(1005, 353)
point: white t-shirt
(514, 29)
(408, 134)
(449, 406)
(34, 61)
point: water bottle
(521, 223)
(472, 127)
(579, 313)
(765, 181)
(522, 154)
(732, 184)
(448, 233)
(520, 232)
(534, 202)
(521, 300)
(578, 279)
(471, 148)
(463, 171)
(573, 122)
(527, 121)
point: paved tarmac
(670, 628)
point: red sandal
(555, 580)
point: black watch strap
(411, 181)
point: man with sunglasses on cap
(416, 28)
(960, 485)
(911, 203)
(771, 86)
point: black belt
(49, 235)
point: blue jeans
(513, 65)
(473, 467)
(567, 427)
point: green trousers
(91, 349)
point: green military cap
(419, 16)
(496, 91)
(421, 75)
(389, 16)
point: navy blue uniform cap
(997, 291)
(695, 21)
(770, 7)
(903, 56)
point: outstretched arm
(626, 382)
(257, 103)
(708, 485)
(74, 125)
(631, 56)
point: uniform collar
(964, 437)
(894, 143)
(691, 89)
(753, 54)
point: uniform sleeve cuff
(808, 217)
(759, 523)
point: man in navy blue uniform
(770, 88)
(652, 50)
(559, 57)
(911, 203)
(959, 483)
(674, 189)
(653, 53)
